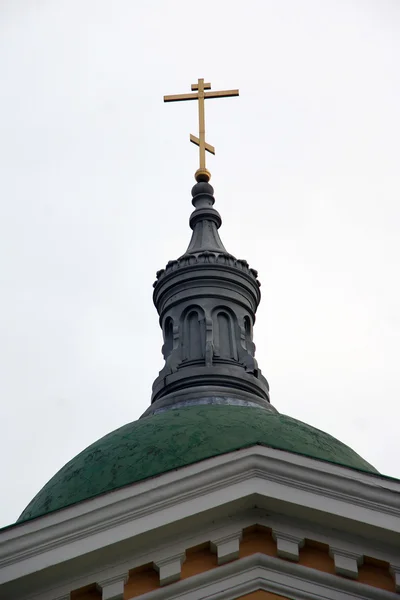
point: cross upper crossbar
(222, 94)
(199, 93)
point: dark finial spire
(207, 300)
(205, 221)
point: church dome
(178, 437)
(210, 397)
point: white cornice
(283, 482)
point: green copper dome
(175, 438)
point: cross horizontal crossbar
(195, 96)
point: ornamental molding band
(187, 574)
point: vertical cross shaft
(200, 87)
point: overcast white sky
(95, 179)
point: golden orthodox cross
(199, 93)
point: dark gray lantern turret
(207, 300)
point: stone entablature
(206, 257)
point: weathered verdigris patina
(176, 438)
